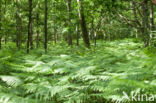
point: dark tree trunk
(37, 37)
(45, 27)
(83, 24)
(77, 35)
(145, 23)
(29, 25)
(55, 34)
(92, 30)
(31, 37)
(69, 22)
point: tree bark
(45, 27)
(29, 25)
(83, 24)
(69, 22)
(55, 34)
(31, 37)
(37, 37)
(145, 23)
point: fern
(83, 76)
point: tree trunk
(83, 24)
(92, 30)
(55, 34)
(55, 31)
(135, 15)
(29, 25)
(31, 37)
(69, 22)
(45, 27)
(18, 27)
(37, 37)
(145, 23)
(77, 34)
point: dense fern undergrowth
(77, 75)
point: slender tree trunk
(55, 31)
(145, 23)
(55, 34)
(138, 25)
(77, 34)
(83, 24)
(18, 27)
(92, 30)
(69, 22)
(31, 37)
(109, 29)
(37, 37)
(45, 27)
(29, 25)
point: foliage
(83, 76)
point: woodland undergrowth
(75, 74)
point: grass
(77, 75)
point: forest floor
(66, 75)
